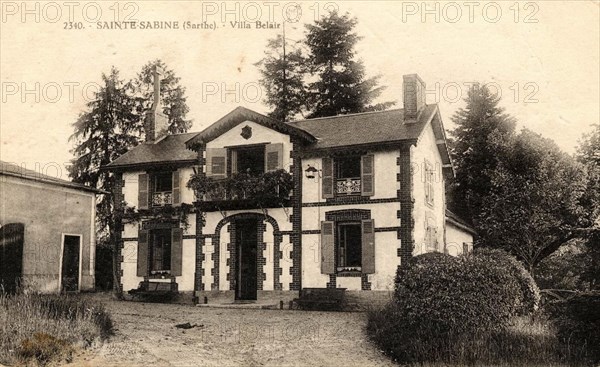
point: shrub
(442, 302)
(577, 322)
(440, 293)
(529, 298)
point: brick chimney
(157, 123)
(413, 89)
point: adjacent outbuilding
(47, 232)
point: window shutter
(367, 179)
(142, 253)
(327, 248)
(234, 162)
(368, 246)
(176, 251)
(143, 191)
(216, 162)
(176, 188)
(327, 164)
(273, 157)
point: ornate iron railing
(348, 186)
(162, 198)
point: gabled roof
(364, 128)
(241, 114)
(9, 169)
(375, 128)
(171, 149)
(325, 133)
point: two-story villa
(330, 202)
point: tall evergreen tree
(172, 94)
(535, 202)
(105, 131)
(480, 128)
(341, 86)
(282, 71)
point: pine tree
(172, 94)
(282, 73)
(341, 87)
(105, 131)
(481, 128)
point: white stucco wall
(455, 237)
(426, 151)
(385, 168)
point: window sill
(349, 273)
(160, 274)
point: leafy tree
(283, 79)
(172, 96)
(106, 130)
(474, 155)
(535, 199)
(341, 86)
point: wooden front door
(246, 250)
(70, 264)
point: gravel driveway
(146, 336)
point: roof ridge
(344, 115)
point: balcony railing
(348, 186)
(271, 189)
(162, 198)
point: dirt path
(146, 336)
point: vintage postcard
(307, 183)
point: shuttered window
(142, 253)
(176, 188)
(216, 162)
(327, 181)
(367, 175)
(327, 247)
(273, 157)
(143, 194)
(368, 247)
(176, 251)
(428, 179)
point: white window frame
(62, 250)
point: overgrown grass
(39, 328)
(528, 341)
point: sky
(543, 57)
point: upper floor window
(163, 182)
(352, 175)
(254, 160)
(162, 190)
(159, 188)
(429, 174)
(249, 160)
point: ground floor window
(349, 246)
(160, 250)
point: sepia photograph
(300, 183)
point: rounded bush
(529, 298)
(439, 295)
